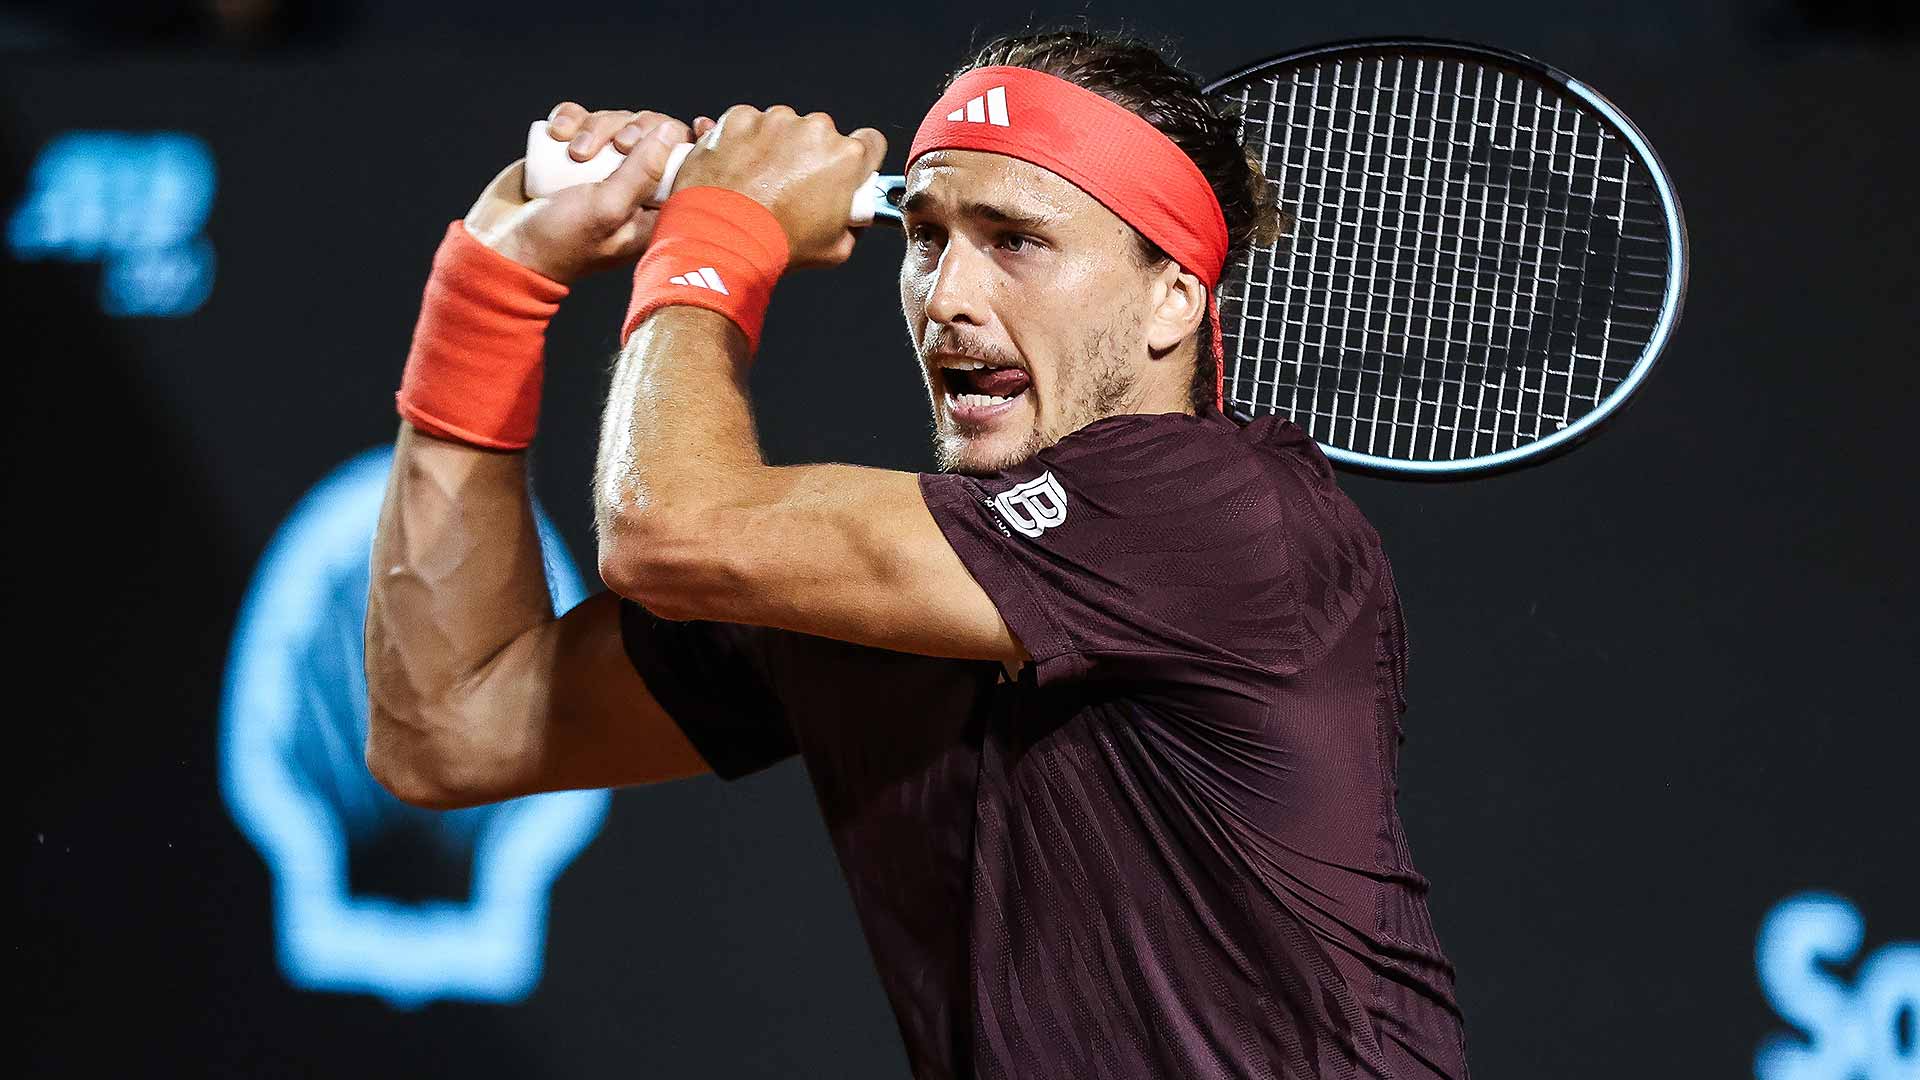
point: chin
(976, 455)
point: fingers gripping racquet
(1484, 260)
(550, 169)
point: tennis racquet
(1484, 260)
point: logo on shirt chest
(1033, 507)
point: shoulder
(1190, 536)
(1218, 473)
(1336, 563)
(1191, 472)
(1260, 505)
(1173, 481)
(1149, 446)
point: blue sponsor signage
(293, 724)
(135, 203)
(1866, 1027)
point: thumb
(509, 184)
(504, 195)
(632, 185)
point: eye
(1015, 242)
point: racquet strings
(1475, 260)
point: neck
(1166, 384)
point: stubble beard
(1098, 383)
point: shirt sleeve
(1145, 538)
(715, 681)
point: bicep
(849, 553)
(569, 710)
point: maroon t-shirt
(1170, 847)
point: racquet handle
(551, 169)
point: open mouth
(977, 391)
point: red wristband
(473, 375)
(712, 248)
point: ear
(1179, 301)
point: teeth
(977, 400)
(963, 365)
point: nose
(959, 287)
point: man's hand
(799, 167)
(590, 227)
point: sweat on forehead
(994, 188)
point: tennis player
(1103, 718)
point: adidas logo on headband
(704, 278)
(988, 108)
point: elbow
(416, 769)
(676, 565)
(403, 777)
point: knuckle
(653, 155)
(740, 118)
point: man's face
(1025, 299)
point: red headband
(1097, 146)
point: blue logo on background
(293, 724)
(133, 203)
(1866, 1028)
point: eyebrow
(921, 202)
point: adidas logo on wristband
(988, 108)
(704, 278)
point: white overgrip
(550, 170)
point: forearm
(677, 439)
(457, 577)
(477, 692)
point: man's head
(1035, 308)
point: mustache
(945, 341)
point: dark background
(1657, 685)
